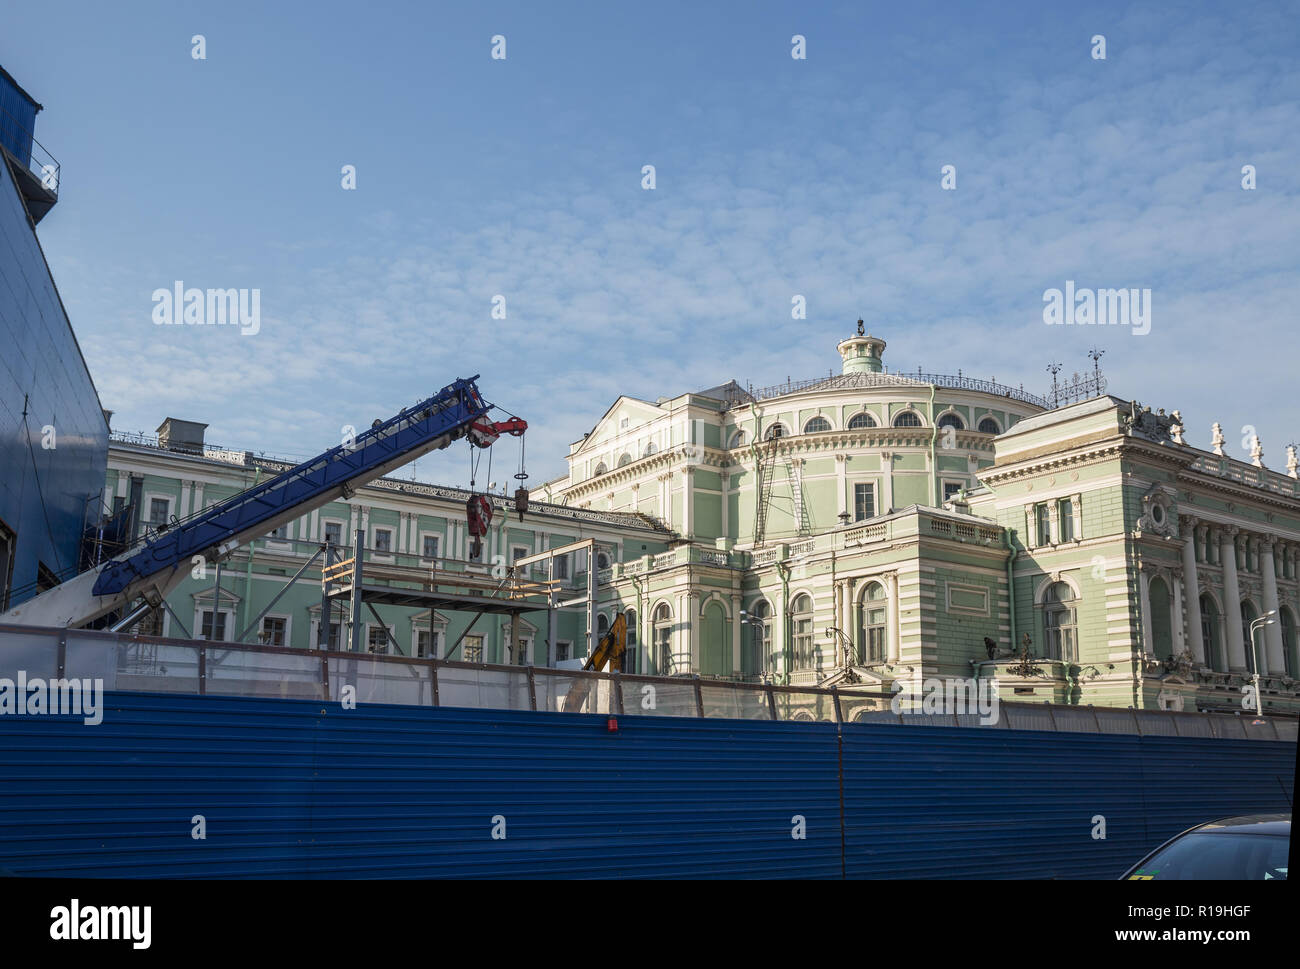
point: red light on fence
(611, 725)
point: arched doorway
(715, 642)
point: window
(738, 439)
(602, 561)
(517, 552)
(600, 469)
(152, 624)
(622, 423)
(774, 432)
(158, 509)
(376, 639)
(602, 627)
(561, 566)
(280, 534)
(477, 556)
(864, 501)
(663, 640)
(989, 426)
(1059, 622)
(1043, 523)
(860, 421)
(908, 418)
(624, 460)
(334, 639)
(562, 650)
(275, 631)
(334, 533)
(817, 425)
(1209, 631)
(951, 489)
(213, 628)
(874, 639)
(650, 449)
(953, 421)
(758, 647)
(383, 541)
(1249, 615)
(802, 619)
(521, 653)
(630, 653)
(1065, 519)
(428, 645)
(430, 549)
(473, 647)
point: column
(846, 620)
(1273, 632)
(735, 632)
(1232, 597)
(842, 488)
(1176, 612)
(894, 626)
(1076, 502)
(183, 511)
(886, 483)
(1054, 521)
(1144, 599)
(688, 501)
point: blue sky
(775, 177)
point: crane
(154, 567)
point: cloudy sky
(775, 177)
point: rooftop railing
(1067, 392)
(197, 667)
(22, 145)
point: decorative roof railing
(1066, 392)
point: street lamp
(1265, 620)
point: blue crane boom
(162, 561)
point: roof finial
(861, 331)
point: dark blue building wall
(306, 789)
(42, 492)
(17, 118)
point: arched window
(625, 459)
(602, 561)
(860, 421)
(817, 425)
(801, 617)
(663, 640)
(600, 469)
(1059, 622)
(989, 426)
(758, 644)
(1248, 615)
(650, 449)
(1288, 639)
(775, 431)
(602, 626)
(1210, 635)
(908, 418)
(873, 639)
(737, 439)
(1162, 635)
(952, 420)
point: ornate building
(866, 529)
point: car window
(1248, 857)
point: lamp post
(1265, 620)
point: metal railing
(197, 667)
(39, 161)
(1067, 392)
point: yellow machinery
(609, 654)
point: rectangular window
(864, 501)
(274, 629)
(803, 644)
(377, 639)
(158, 509)
(383, 541)
(334, 533)
(521, 653)
(281, 533)
(951, 489)
(430, 550)
(473, 648)
(426, 647)
(1044, 524)
(208, 629)
(1065, 519)
(517, 552)
(561, 566)
(562, 650)
(335, 639)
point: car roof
(1268, 824)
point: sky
(775, 177)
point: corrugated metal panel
(299, 789)
(294, 788)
